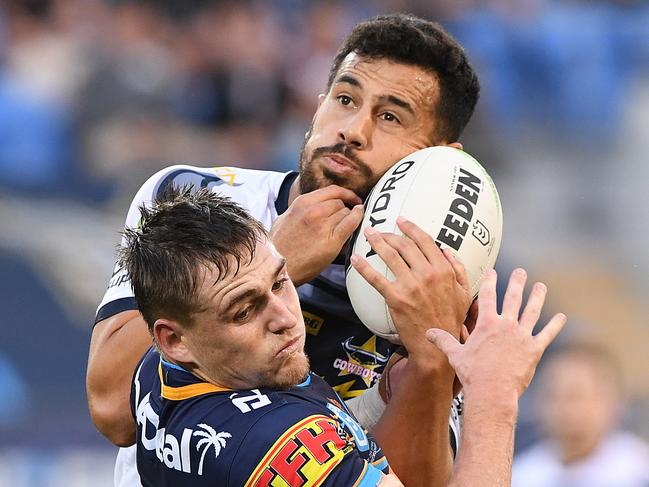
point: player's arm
(429, 287)
(314, 230)
(119, 339)
(495, 365)
(116, 346)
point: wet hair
(411, 40)
(180, 236)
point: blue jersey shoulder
(209, 436)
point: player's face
(251, 333)
(376, 112)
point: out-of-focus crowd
(93, 92)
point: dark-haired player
(226, 397)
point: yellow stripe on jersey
(186, 392)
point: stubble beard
(293, 372)
(310, 180)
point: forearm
(485, 457)
(413, 431)
(117, 344)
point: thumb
(443, 340)
(350, 223)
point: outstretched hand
(501, 354)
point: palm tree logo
(210, 438)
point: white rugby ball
(448, 194)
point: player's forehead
(251, 271)
(378, 77)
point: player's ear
(321, 98)
(456, 145)
(168, 334)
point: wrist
(429, 361)
(492, 405)
(438, 375)
(368, 407)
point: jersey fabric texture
(193, 433)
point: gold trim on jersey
(188, 391)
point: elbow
(112, 419)
(121, 439)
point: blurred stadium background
(96, 95)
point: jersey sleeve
(119, 294)
(256, 191)
(289, 446)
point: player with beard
(397, 84)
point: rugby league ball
(448, 194)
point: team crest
(361, 361)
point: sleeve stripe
(281, 203)
(114, 307)
(370, 477)
(381, 464)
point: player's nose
(281, 317)
(357, 129)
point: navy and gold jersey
(193, 433)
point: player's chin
(354, 183)
(358, 184)
(292, 372)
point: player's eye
(344, 100)
(243, 315)
(389, 117)
(279, 284)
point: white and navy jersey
(193, 433)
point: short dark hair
(411, 40)
(183, 232)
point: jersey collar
(281, 203)
(177, 384)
